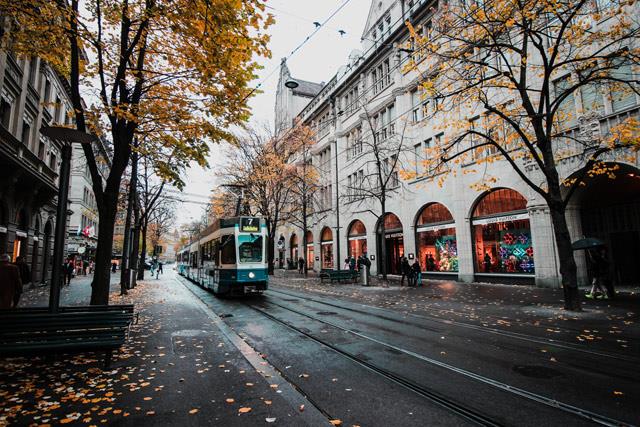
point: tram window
(250, 248)
(228, 250)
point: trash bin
(364, 277)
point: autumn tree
(257, 165)
(303, 179)
(177, 68)
(377, 154)
(160, 224)
(531, 73)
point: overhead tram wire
(322, 24)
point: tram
(229, 257)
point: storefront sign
(391, 235)
(423, 228)
(249, 225)
(3, 229)
(358, 238)
(506, 218)
(21, 233)
(330, 242)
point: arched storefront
(281, 253)
(393, 241)
(3, 228)
(293, 251)
(46, 251)
(20, 241)
(310, 253)
(610, 211)
(35, 268)
(502, 234)
(357, 239)
(436, 245)
(326, 248)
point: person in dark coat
(431, 262)
(10, 283)
(25, 271)
(68, 268)
(600, 270)
(352, 263)
(301, 265)
(417, 273)
(487, 262)
(405, 268)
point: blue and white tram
(229, 257)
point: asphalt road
(373, 366)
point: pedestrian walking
(405, 268)
(352, 263)
(114, 266)
(10, 283)
(68, 270)
(417, 273)
(25, 271)
(300, 265)
(159, 270)
(85, 267)
(92, 266)
(345, 266)
(600, 271)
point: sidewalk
(177, 368)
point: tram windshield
(250, 247)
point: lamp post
(66, 137)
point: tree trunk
(568, 269)
(135, 247)
(143, 252)
(383, 243)
(102, 276)
(270, 250)
(127, 266)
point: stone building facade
(32, 95)
(456, 232)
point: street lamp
(291, 84)
(66, 137)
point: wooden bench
(73, 329)
(338, 275)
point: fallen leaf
(194, 411)
(230, 400)
(336, 422)
(151, 412)
(301, 408)
(270, 420)
(267, 402)
(618, 393)
(244, 410)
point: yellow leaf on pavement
(244, 410)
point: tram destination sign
(249, 224)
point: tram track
(485, 329)
(457, 408)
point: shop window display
(309, 250)
(326, 248)
(502, 234)
(436, 242)
(357, 239)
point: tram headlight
(251, 275)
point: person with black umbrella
(600, 269)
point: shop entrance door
(395, 250)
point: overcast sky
(318, 60)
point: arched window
(436, 244)
(357, 239)
(326, 248)
(310, 252)
(393, 241)
(293, 248)
(502, 234)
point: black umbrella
(586, 243)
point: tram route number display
(249, 224)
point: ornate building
(456, 232)
(32, 95)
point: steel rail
(516, 335)
(450, 405)
(565, 407)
